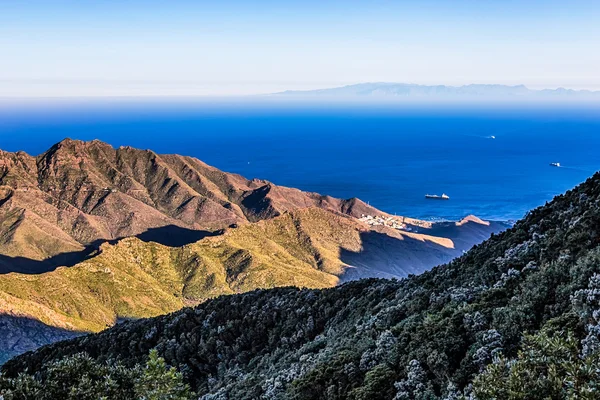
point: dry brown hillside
(61, 205)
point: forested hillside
(514, 318)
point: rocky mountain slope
(451, 332)
(90, 236)
(60, 205)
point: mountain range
(79, 194)
(516, 317)
(91, 236)
(474, 91)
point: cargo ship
(444, 196)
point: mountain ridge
(92, 192)
(407, 90)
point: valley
(91, 235)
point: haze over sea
(390, 155)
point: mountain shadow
(24, 265)
(170, 235)
(384, 256)
(175, 236)
(20, 334)
(464, 234)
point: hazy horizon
(310, 92)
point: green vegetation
(548, 367)
(514, 318)
(135, 279)
(80, 377)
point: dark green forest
(514, 318)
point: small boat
(444, 196)
(555, 164)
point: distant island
(407, 90)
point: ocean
(492, 160)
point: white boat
(555, 164)
(444, 196)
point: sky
(54, 48)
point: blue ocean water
(389, 155)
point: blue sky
(179, 47)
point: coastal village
(391, 222)
(394, 222)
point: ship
(555, 164)
(444, 196)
